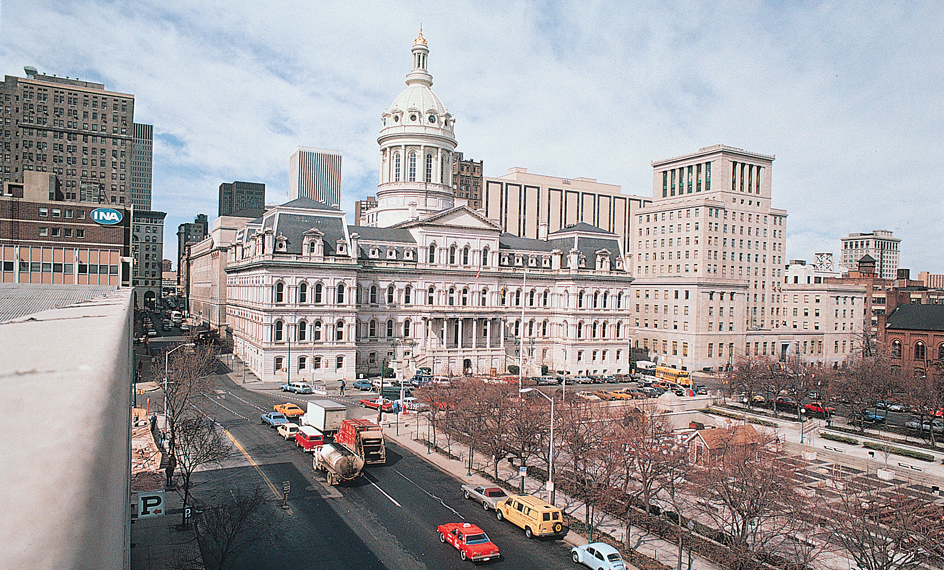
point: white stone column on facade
(475, 333)
(459, 332)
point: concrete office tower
(141, 165)
(148, 251)
(245, 199)
(707, 255)
(315, 173)
(879, 244)
(417, 142)
(74, 129)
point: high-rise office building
(141, 161)
(74, 129)
(467, 180)
(190, 232)
(315, 174)
(879, 244)
(244, 199)
(148, 250)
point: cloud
(845, 94)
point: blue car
(363, 385)
(869, 417)
(274, 419)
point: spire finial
(420, 40)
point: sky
(847, 95)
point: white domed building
(417, 142)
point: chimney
(542, 231)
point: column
(475, 333)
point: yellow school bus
(670, 374)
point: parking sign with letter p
(150, 504)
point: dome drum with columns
(417, 142)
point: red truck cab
(308, 438)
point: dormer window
(391, 253)
(342, 248)
(546, 262)
(408, 254)
(374, 253)
(532, 262)
(518, 260)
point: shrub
(734, 416)
(834, 437)
(898, 451)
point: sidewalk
(158, 543)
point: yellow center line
(258, 469)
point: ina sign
(105, 216)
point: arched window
(278, 364)
(280, 292)
(485, 256)
(316, 363)
(596, 298)
(452, 255)
(580, 300)
(442, 169)
(339, 331)
(504, 296)
(484, 299)
(302, 363)
(406, 328)
(465, 255)
(277, 331)
(339, 362)
(390, 293)
(593, 330)
(303, 293)
(619, 327)
(318, 290)
(340, 299)
(430, 295)
(429, 168)
(316, 330)
(896, 349)
(452, 297)
(545, 298)
(518, 298)
(396, 167)
(606, 297)
(919, 352)
(580, 329)
(940, 352)
(530, 328)
(372, 329)
(517, 328)
(302, 330)
(432, 254)
(544, 328)
(390, 328)
(603, 329)
(619, 300)
(411, 165)
(372, 296)
(531, 298)
(465, 297)
(408, 295)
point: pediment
(458, 217)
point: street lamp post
(166, 366)
(550, 456)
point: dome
(417, 106)
(418, 98)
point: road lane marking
(392, 500)
(235, 413)
(420, 487)
(278, 495)
(246, 401)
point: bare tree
(867, 381)
(199, 443)
(749, 376)
(884, 530)
(749, 494)
(529, 429)
(925, 395)
(186, 381)
(230, 526)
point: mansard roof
(370, 233)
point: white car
(412, 404)
(287, 431)
(184, 327)
(598, 555)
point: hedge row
(734, 416)
(839, 438)
(899, 451)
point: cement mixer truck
(338, 463)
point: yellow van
(536, 517)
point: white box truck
(325, 416)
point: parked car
(308, 438)
(786, 403)
(376, 403)
(363, 385)
(890, 406)
(701, 389)
(274, 419)
(819, 409)
(936, 425)
(598, 556)
(184, 327)
(471, 541)
(536, 517)
(869, 417)
(296, 387)
(412, 404)
(287, 431)
(487, 496)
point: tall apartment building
(190, 232)
(533, 205)
(467, 180)
(707, 254)
(933, 280)
(879, 244)
(147, 236)
(74, 129)
(362, 206)
(246, 199)
(315, 174)
(141, 165)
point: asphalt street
(385, 519)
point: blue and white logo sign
(106, 216)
